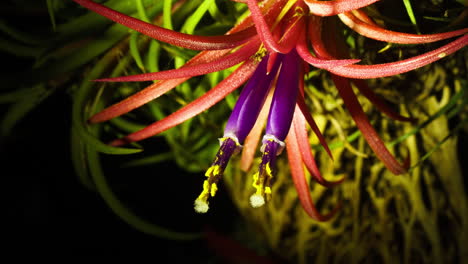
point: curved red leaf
(378, 102)
(299, 179)
(378, 33)
(169, 36)
(331, 8)
(302, 138)
(190, 70)
(228, 85)
(153, 91)
(370, 135)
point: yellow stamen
(262, 52)
(229, 146)
(283, 12)
(209, 188)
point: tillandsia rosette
(322, 103)
(275, 46)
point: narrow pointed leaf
(125, 213)
(228, 85)
(313, 125)
(151, 92)
(299, 179)
(371, 136)
(169, 36)
(263, 29)
(334, 7)
(189, 70)
(402, 66)
(306, 153)
(304, 52)
(382, 34)
(379, 102)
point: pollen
(212, 171)
(201, 206)
(262, 52)
(261, 183)
(257, 200)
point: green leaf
(135, 51)
(152, 58)
(79, 160)
(409, 10)
(97, 145)
(149, 160)
(141, 11)
(20, 36)
(19, 50)
(36, 95)
(123, 212)
(92, 22)
(194, 19)
(167, 14)
(50, 9)
(79, 56)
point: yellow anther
(261, 183)
(269, 172)
(214, 188)
(213, 171)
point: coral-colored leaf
(305, 112)
(379, 102)
(263, 29)
(331, 8)
(356, 71)
(299, 179)
(361, 15)
(169, 36)
(299, 124)
(393, 68)
(187, 70)
(151, 92)
(303, 51)
(382, 34)
(346, 92)
(228, 85)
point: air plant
(271, 48)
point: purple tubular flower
(284, 98)
(240, 123)
(251, 100)
(279, 122)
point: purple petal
(284, 98)
(250, 101)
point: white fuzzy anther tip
(256, 200)
(201, 206)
